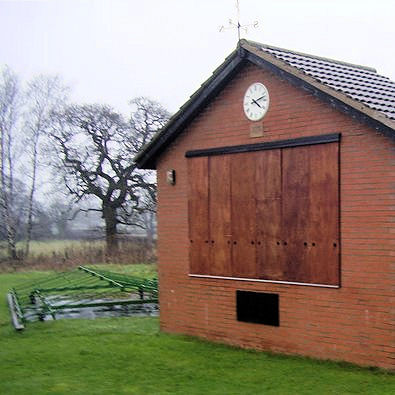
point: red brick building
(276, 214)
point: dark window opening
(258, 307)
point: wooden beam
(234, 149)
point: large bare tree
(95, 147)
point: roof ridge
(376, 109)
(256, 43)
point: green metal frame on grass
(77, 289)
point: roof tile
(360, 83)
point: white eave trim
(264, 281)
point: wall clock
(256, 101)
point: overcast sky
(110, 51)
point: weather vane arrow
(238, 25)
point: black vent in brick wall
(258, 307)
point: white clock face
(256, 101)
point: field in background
(131, 356)
(50, 247)
(61, 254)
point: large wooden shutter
(270, 214)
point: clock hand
(261, 97)
(256, 102)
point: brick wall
(354, 323)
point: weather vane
(238, 26)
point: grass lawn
(131, 356)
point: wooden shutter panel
(243, 215)
(270, 261)
(311, 214)
(295, 210)
(198, 215)
(323, 258)
(220, 216)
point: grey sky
(113, 50)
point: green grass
(140, 270)
(131, 356)
(49, 247)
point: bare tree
(9, 111)
(24, 119)
(95, 148)
(44, 95)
